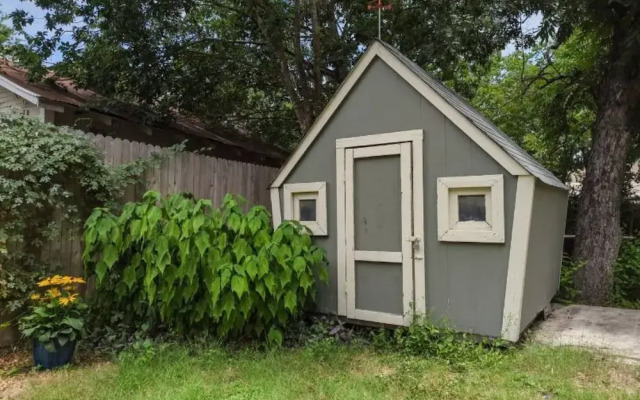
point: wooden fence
(203, 176)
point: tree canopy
(259, 66)
(268, 67)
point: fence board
(203, 176)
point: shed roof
(489, 128)
(513, 157)
(60, 90)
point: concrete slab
(613, 330)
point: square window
(307, 204)
(307, 209)
(471, 209)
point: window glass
(307, 210)
(471, 208)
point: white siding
(10, 102)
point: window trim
(450, 229)
(294, 192)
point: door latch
(415, 243)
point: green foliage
(47, 170)
(18, 273)
(543, 99)
(568, 293)
(626, 275)
(57, 315)
(180, 263)
(426, 338)
(5, 36)
(265, 67)
(50, 175)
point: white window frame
(451, 229)
(294, 192)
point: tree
(543, 99)
(265, 66)
(617, 91)
(5, 36)
(268, 65)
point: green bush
(178, 263)
(568, 293)
(424, 337)
(50, 175)
(626, 275)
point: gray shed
(424, 206)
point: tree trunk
(598, 233)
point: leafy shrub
(626, 275)
(568, 293)
(18, 273)
(49, 175)
(427, 338)
(57, 314)
(179, 263)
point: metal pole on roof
(379, 6)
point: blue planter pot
(49, 360)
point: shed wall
(465, 282)
(544, 256)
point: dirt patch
(618, 376)
(15, 359)
(17, 372)
(365, 365)
(11, 388)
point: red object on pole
(378, 5)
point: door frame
(344, 173)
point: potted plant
(55, 321)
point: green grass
(327, 371)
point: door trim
(344, 171)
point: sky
(7, 6)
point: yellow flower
(77, 280)
(56, 280)
(35, 297)
(44, 282)
(68, 300)
(53, 293)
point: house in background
(58, 101)
(423, 205)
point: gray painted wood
(379, 287)
(465, 282)
(377, 211)
(487, 127)
(544, 258)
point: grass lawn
(328, 371)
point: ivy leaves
(183, 263)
